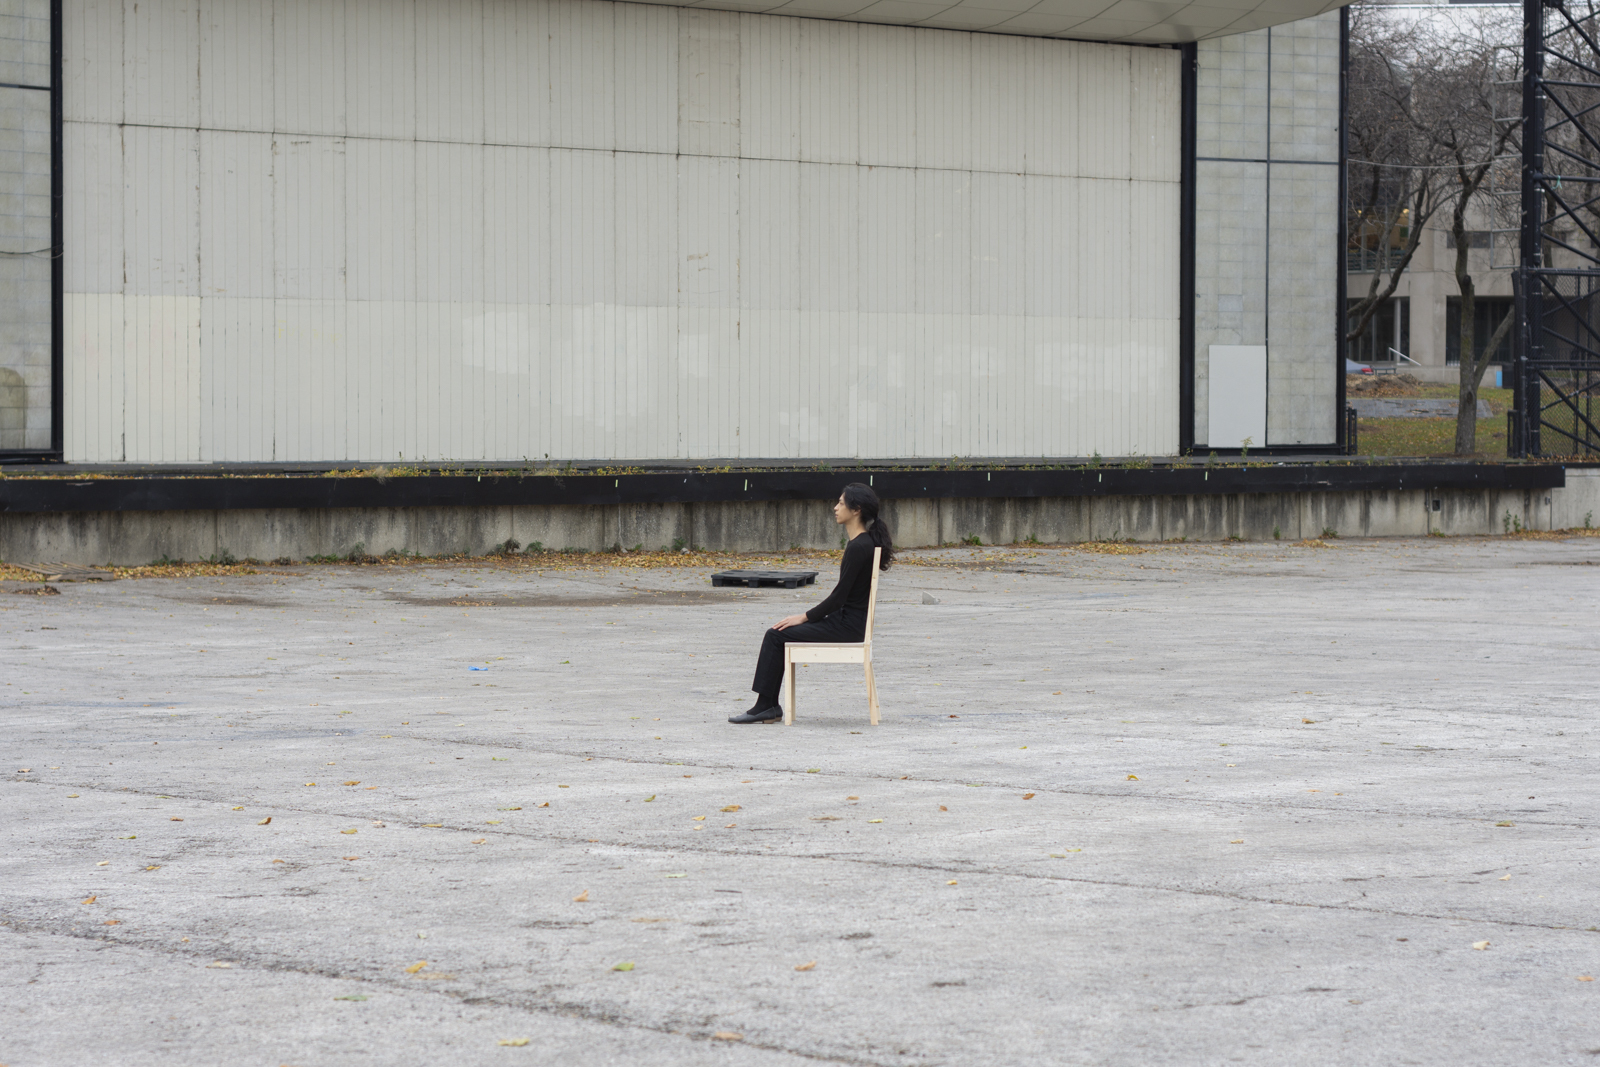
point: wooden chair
(855, 652)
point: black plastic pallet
(787, 579)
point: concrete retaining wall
(131, 537)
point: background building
(1418, 328)
(417, 230)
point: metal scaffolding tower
(1557, 370)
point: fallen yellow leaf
(806, 966)
(731, 807)
(433, 825)
(943, 808)
(479, 840)
(311, 783)
(102, 863)
(224, 964)
(1585, 977)
(1505, 824)
(874, 820)
(237, 807)
(727, 1035)
(415, 967)
(277, 861)
(1027, 796)
(1133, 777)
(1506, 878)
(347, 831)
(92, 899)
(852, 798)
(352, 857)
(649, 798)
(581, 898)
(352, 783)
(1238, 841)
(627, 966)
(1480, 945)
(951, 882)
(112, 922)
(264, 822)
(516, 1042)
(175, 819)
(699, 818)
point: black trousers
(842, 626)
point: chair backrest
(872, 599)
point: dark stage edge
(239, 488)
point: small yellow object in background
(581, 898)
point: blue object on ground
(477, 668)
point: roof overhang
(1123, 21)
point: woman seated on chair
(842, 617)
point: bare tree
(1394, 173)
(1460, 102)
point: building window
(1388, 332)
(1475, 239)
(1487, 311)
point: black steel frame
(58, 276)
(1556, 372)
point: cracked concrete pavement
(1248, 803)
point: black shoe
(771, 714)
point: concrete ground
(1253, 803)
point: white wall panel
(1052, 117)
(516, 72)
(91, 61)
(830, 60)
(236, 285)
(93, 261)
(161, 62)
(647, 79)
(708, 83)
(769, 87)
(309, 63)
(583, 75)
(888, 96)
(998, 104)
(236, 65)
(943, 82)
(494, 229)
(380, 42)
(449, 71)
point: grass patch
(1437, 437)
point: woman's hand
(792, 620)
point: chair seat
(807, 652)
(836, 652)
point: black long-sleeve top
(855, 580)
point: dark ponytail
(858, 497)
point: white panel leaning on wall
(592, 231)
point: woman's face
(842, 512)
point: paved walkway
(1192, 805)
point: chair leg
(872, 694)
(788, 689)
